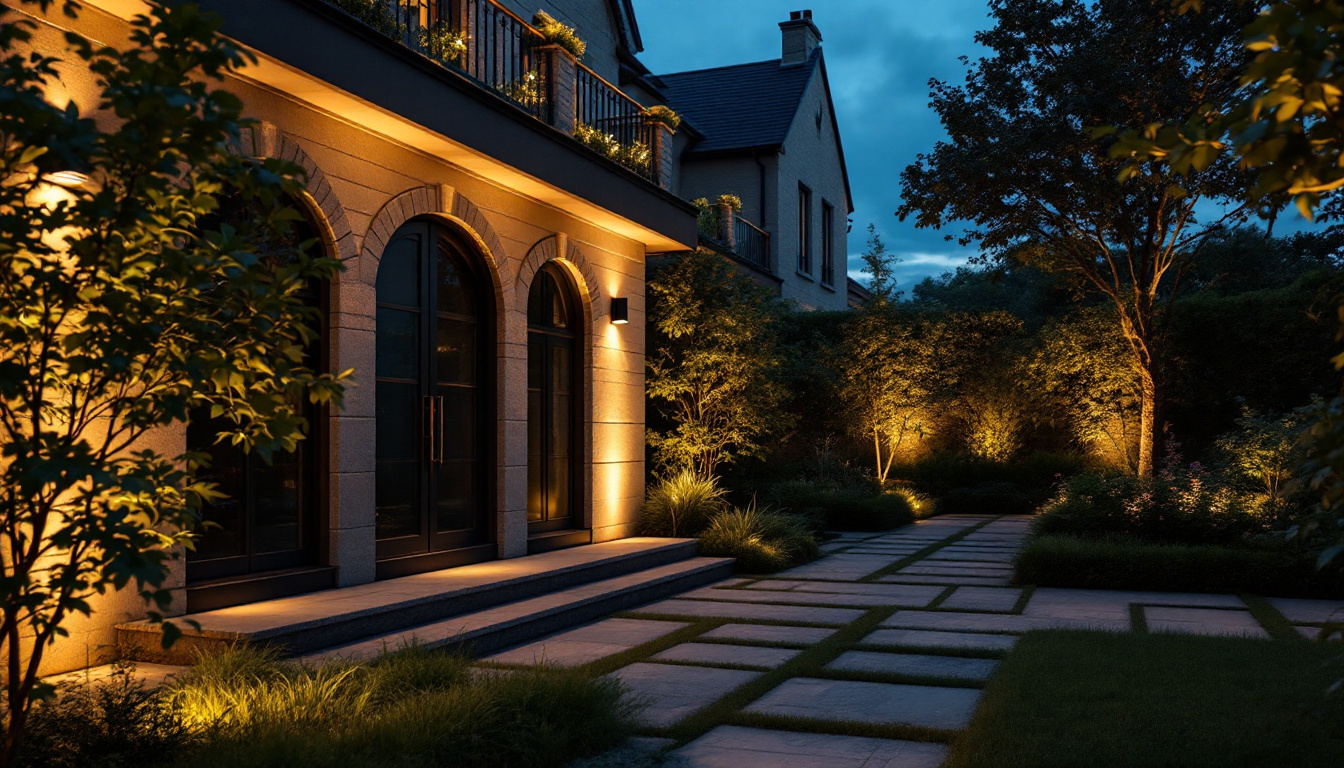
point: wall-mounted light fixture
(620, 311)
(67, 179)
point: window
(804, 230)
(827, 243)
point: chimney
(800, 38)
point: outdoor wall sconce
(620, 311)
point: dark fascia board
(330, 45)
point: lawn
(1099, 699)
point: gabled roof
(743, 107)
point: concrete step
(305, 623)
(504, 626)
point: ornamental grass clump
(681, 504)
(762, 540)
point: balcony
(509, 57)
(727, 231)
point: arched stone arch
(558, 247)
(265, 140)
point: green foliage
(116, 722)
(844, 508)
(1039, 188)
(731, 200)
(880, 266)
(988, 499)
(1121, 562)
(555, 33)
(712, 364)
(1265, 451)
(1163, 699)
(1035, 474)
(680, 504)
(1180, 505)
(166, 283)
(443, 43)
(660, 113)
(634, 156)
(410, 708)
(763, 541)
(377, 14)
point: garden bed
(1098, 699)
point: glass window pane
(457, 502)
(535, 466)
(398, 344)
(455, 288)
(398, 499)
(558, 492)
(399, 417)
(399, 272)
(461, 436)
(278, 493)
(225, 538)
(457, 351)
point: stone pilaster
(662, 154)
(562, 76)
(727, 227)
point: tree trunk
(1147, 418)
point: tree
(1023, 165)
(880, 266)
(127, 301)
(712, 364)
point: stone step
(504, 626)
(305, 623)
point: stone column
(727, 228)
(661, 140)
(562, 76)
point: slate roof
(742, 107)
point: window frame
(804, 229)
(827, 243)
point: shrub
(845, 508)
(1035, 475)
(374, 13)
(110, 723)
(988, 499)
(921, 505)
(1125, 563)
(680, 505)
(1179, 507)
(559, 34)
(763, 541)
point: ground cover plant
(410, 708)
(762, 540)
(843, 507)
(1101, 699)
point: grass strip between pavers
(915, 557)
(802, 665)
(1138, 622)
(1269, 617)
(842, 727)
(1023, 599)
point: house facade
(767, 133)
(491, 304)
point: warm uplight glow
(67, 179)
(620, 311)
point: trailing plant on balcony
(555, 33)
(731, 200)
(636, 157)
(375, 13)
(443, 43)
(662, 114)
(528, 91)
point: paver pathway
(895, 631)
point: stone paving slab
(1300, 611)
(914, 664)
(994, 622)
(924, 578)
(841, 567)
(785, 613)
(952, 569)
(675, 691)
(588, 643)
(762, 633)
(920, 638)
(791, 596)
(1203, 621)
(721, 653)
(943, 555)
(730, 746)
(983, 599)
(903, 594)
(884, 703)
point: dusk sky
(880, 55)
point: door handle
(438, 429)
(433, 408)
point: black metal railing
(614, 124)
(753, 243)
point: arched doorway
(554, 421)
(435, 402)
(263, 540)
